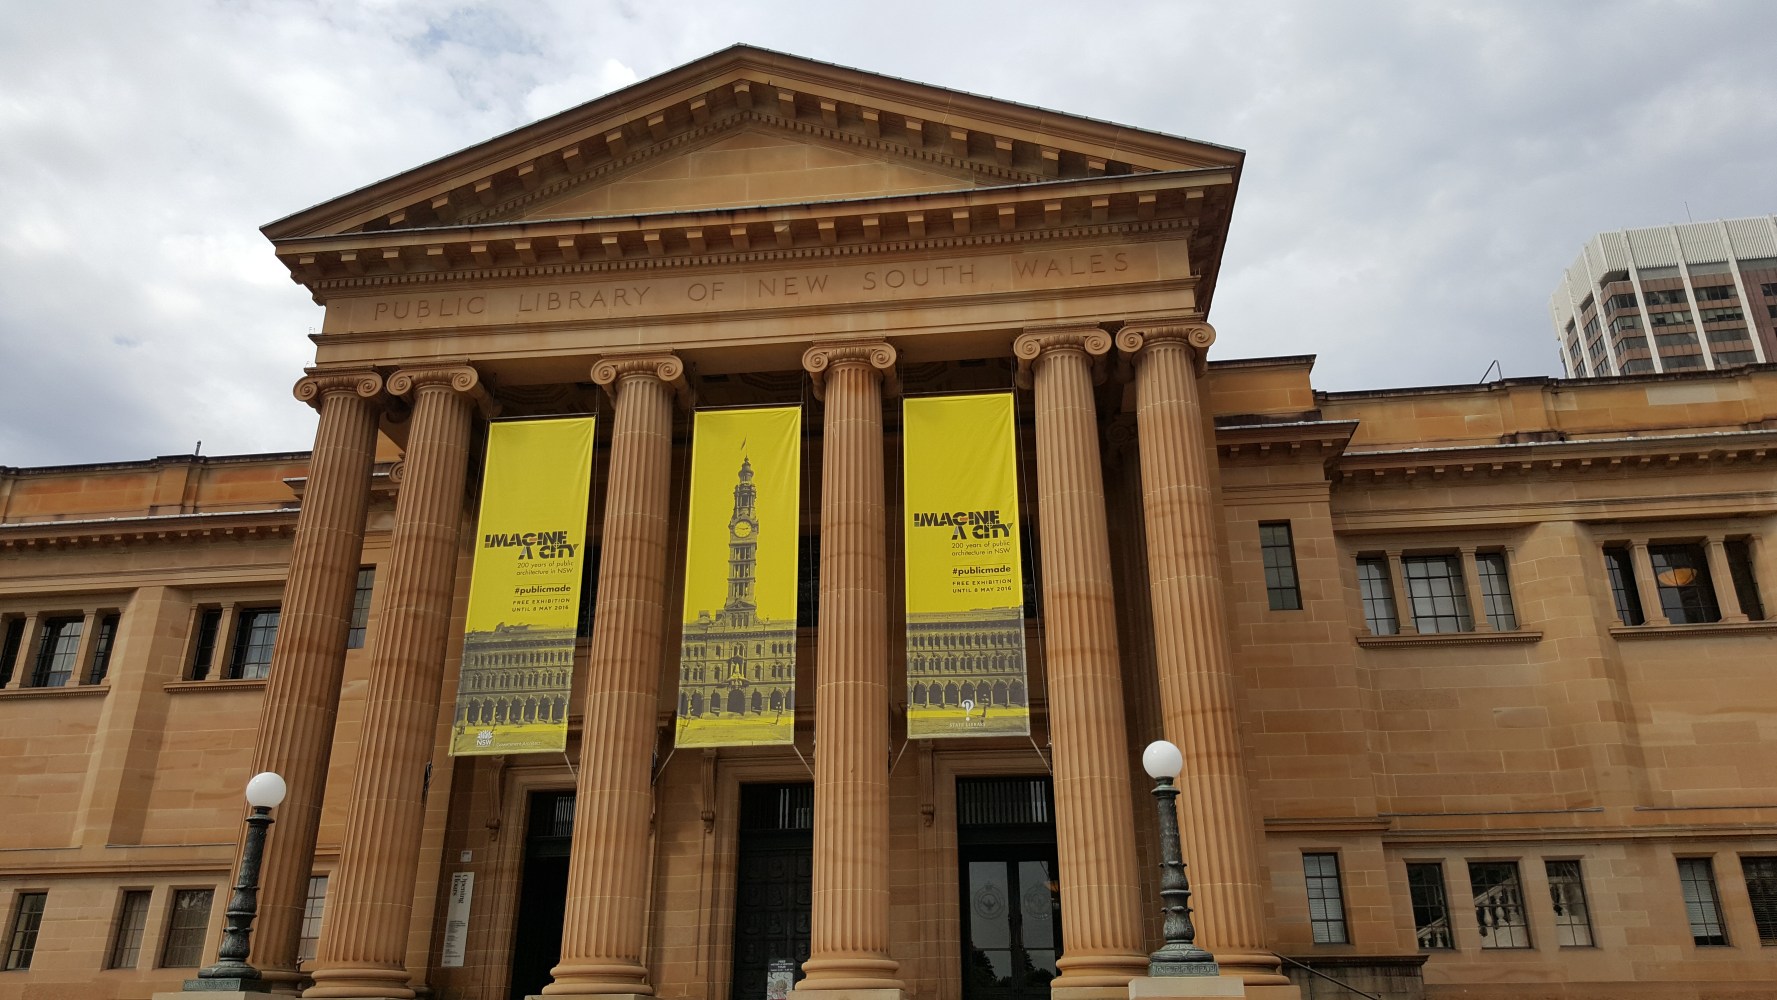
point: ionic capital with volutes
(462, 379)
(1038, 343)
(320, 383)
(611, 370)
(877, 355)
(1194, 336)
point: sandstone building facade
(1471, 682)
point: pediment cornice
(1190, 204)
(998, 142)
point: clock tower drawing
(735, 665)
(743, 550)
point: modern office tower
(1670, 298)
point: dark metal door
(543, 895)
(1009, 888)
(773, 885)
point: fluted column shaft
(1100, 893)
(1197, 685)
(302, 689)
(849, 935)
(364, 940)
(607, 907)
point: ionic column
(849, 932)
(302, 688)
(1197, 685)
(364, 940)
(1100, 889)
(607, 907)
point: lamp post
(231, 973)
(1179, 956)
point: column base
(1161, 987)
(600, 996)
(873, 993)
(216, 994)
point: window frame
(1283, 583)
(1698, 917)
(1315, 885)
(127, 936)
(1694, 599)
(314, 914)
(244, 661)
(57, 662)
(362, 594)
(1762, 897)
(173, 927)
(1577, 916)
(19, 950)
(1422, 590)
(1421, 929)
(1519, 929)
(1382, 600)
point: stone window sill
(69, 691)
(254, 684)
(1450, 639)
(1701, 628)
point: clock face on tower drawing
(743, 529)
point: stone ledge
(1450, 639)
(235, 684)
(1701, 628)
(66, 691)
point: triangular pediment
(750, 162)
(769, 128)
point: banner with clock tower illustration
(965, 580)
(737, 653)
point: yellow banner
(737, 656)
(965, 582)
(524, 596)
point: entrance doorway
(774, 885)
(1011, 901)
(542, 893)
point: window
(1326, 900)
(185, 929)
(1729, 336)
(57, 651)
(203, 652)
(1771, 310)
(808, 580)
(27, 917)
(1721, 315)
(1621, 570)
(1280, 566)
(1696, 877)
(1436, 593)
(1769, 288)
(1625, 300)
(126, 937)
(1638, 366)
(1686, 594)
(313, 909)
(1665, 297)
(9, 650)
(1499, 904)
(361, 608)
(1567, 891)
(1496, 591)
(254, 635)
(1378, 593)
(1629, 322)
(1745, 580)
(1726, 358)
(1680, 318)
(1761, 888)
(1714, 293)
(102, 643)
(1632, 344)
(1431, 909)
(1682, 362)
(589, 579)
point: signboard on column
(524, 595)
(737, 653)
(964, 559)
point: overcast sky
(1418, 174)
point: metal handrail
(1311, 970)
